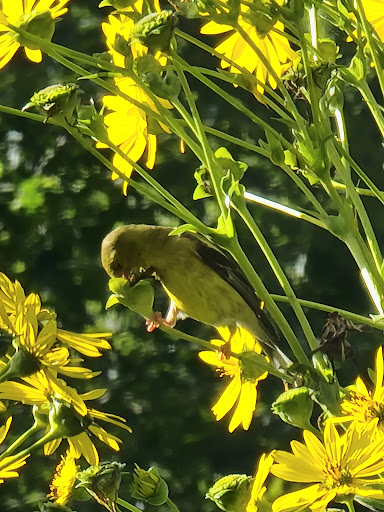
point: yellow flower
(36, 336)
(374, 11)
(8, 465)
(127, 124)
(63, 479)
(40, 389)
(338, 469)
(76, 428)
(273, 46)
(241, 393)
(260, 477)
(127, 128)
(4, 429)
(67, 414)
(34, 16)
(362, 404)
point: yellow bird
(201, 281)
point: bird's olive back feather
(230, 272)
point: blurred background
(56, 205)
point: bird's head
(127, 249)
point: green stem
(350, 505)
(372, 104)
(172, 506)
(292, 174)
(49, 436)
(236, 103)
(290, 104)
(227, 76)
(172, 204)
(239, 255)
(313, 96)
(174, 333)
(331, 309)
(200, 131)
(375, 191)
(361, 191)
(19, 441)
(57, 52)
(281, 277)
(243, 71)
(127, 505)
(375, 253)
(284, 209)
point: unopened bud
(295, 407)
(155, 30)
(102, 482)
(231, 493)
(149, 486)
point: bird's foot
(155, 321)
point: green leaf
(139, 298)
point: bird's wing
(230, 272)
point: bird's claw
(155, 321)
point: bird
(202, 281)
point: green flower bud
(231, 493)
(102, 482)
(55, 99)
(22, 364)
(155, 30)
(40, 24)
(64, 421)
(149, 486)
(295, 407)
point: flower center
(336, 476)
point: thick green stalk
(19, 441)
(318, 119)
(343, 171)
